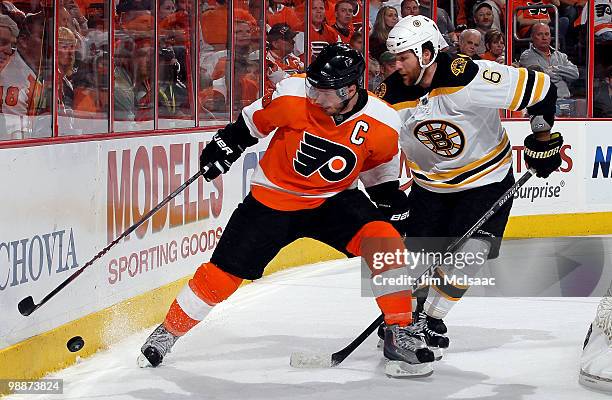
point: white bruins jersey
(452, 134)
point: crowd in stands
(549, 35)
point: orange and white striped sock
(209, 286)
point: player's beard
(332, 109)
(411, 76)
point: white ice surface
(501, 348)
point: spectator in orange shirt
(321, 33)
(280, 60)
(278, 13)
(214, 24)
(344, 20)
(91, 95)
(527, 18)
(494, 43)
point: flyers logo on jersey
(333, 161)
(441, 137)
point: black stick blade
(26, 306)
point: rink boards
(63, 203)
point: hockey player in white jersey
(458, 151)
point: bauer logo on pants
(333, 161)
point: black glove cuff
(381, 192)
(540, 149)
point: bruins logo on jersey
(333, 161)
(381, 90)
(441, 137)
(458, 66)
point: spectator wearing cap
(496, 15)
(344, 20)
(385, 21)
(469, 41)
(602, 103)
(388, 64)
(321, 33)
(483, 21)
(280, 60)
(494, 43)
(553, 62)
(8, 40)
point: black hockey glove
(543, 156)
(227, 146)
(392, 202)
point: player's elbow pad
(542, 113)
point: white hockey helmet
(411, 33)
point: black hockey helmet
(336, 66)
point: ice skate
(434, 331)
(406, 352)
(158, 344)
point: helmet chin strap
(344, 102)
(423, 68)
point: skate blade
(401, 369)
(438, 353)
(143, 362)
(595, 382)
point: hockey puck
(75, 344)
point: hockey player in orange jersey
(327, 134)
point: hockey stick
(27, 306)
(326, 360)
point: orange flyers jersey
(309, 157)
(319, 39)
(278, 68)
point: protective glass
(327, 98)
